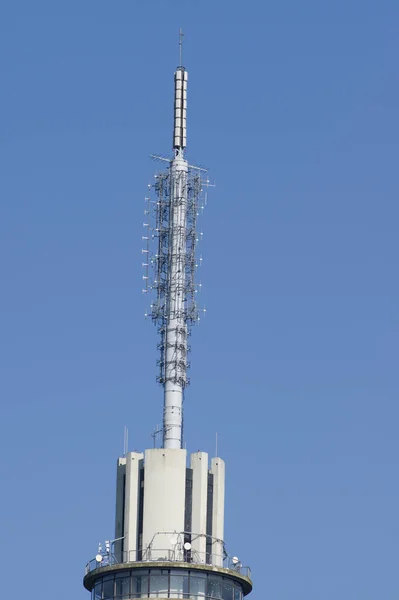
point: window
(135, 589)
(214, 587)
(227, 590)
(159, 583)
(139, 584)
(122, 585)
(108, 588)
(237, 593)
(197, 586)
(176, 585)
(97, 590)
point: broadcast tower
(169, 526)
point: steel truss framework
(173, 266)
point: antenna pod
(180, 118)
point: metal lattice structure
(175, 299)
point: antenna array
(173, 302)
(171, 227)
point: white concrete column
(199, 465)
(132, 495)
(164, 499)
(218, 471)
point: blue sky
(293, 107)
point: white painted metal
(180, 121)
(176, 327)
(199, 465)
(218, 471)
(134, 462)
(164, 496)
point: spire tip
(181, 36)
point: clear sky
(293, 105)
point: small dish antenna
(235, 560)
(187, 546)
(99, 558)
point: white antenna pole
(175, 330)
(125, 441)
(174, 310)
(181, 36)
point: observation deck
(175, 575)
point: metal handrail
(170, 556)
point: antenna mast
(181, 36)
(174, 310)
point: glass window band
(166, 583)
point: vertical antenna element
(125, 441)
(181, 36)
(180, 117)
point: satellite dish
(173, 540)
(99, 558)
(187, 546)
(235, 560)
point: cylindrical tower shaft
(176, 318)
(175, 334)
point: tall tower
(169, 526)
